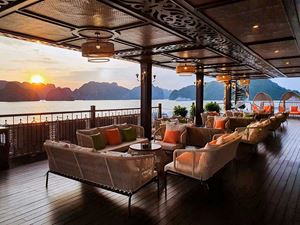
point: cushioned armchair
(202, 163)
(256, 132)
(159, 134)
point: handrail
(68, 112)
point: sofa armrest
(84, 140)
(156, 133)
(216, 136)
(182, 138)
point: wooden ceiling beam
(292, 15)
(195, 27)
(10, 6)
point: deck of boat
(262, 188)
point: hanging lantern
(185, 70)
(244, 82)
(223, 78)
(97, 49)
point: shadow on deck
(260, 188)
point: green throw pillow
(98, 141)
(129, 134)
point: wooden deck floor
(263, 188)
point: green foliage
(212, 106)
(180, 111)
(193, 110)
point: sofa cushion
(294, 109)
(209, 122)
(128, 134)
(184, 162)
(171, 136)
(113, 136)
(89, 132)
(231, 137)
(169, 146)
(98, 141)
(219, 122)
(124, 146)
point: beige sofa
(84, 137)
(202, 163)
(114, 171)
(256, 132)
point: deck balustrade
(27, 132)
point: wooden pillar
(159, 113)
(227, 95)
(146, 97)
(235, 92)
(93, 117)
(199, 95)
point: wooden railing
(27, 132)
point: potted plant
(212, 107)
(180, 111)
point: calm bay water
(54, 106)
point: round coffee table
(139, 149)
(152, 148)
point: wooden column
(227, 95)
(235, 92)
(146, 96)
(199, 95)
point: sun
(37, 79)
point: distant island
(24, 91)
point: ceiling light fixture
(287, 63)
(185, 70)
(276, 51)
(97, 49)
(256, 26)
(223, 78)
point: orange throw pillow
(254, 108)
(213, 142)
(281, 109)
(171, 136)
(113, 136)
(219, 123)
(294, 109)
(267, 108)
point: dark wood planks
(262, 188)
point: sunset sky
(21, 60)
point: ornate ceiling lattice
(189, 23)
(6, 3)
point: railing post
(159, 113)
(93, 117)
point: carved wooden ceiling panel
(83, 13)
(241, 19)
(158, 58)
(26, 25)
(288, 62)
(148, 35)
(215, 61)
(165, 28)
(276, 49)
(118, 46)
(290, 70)
(195, 54)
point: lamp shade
(244, 82)
(97, 49)
(185, 70)
(223, 78)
